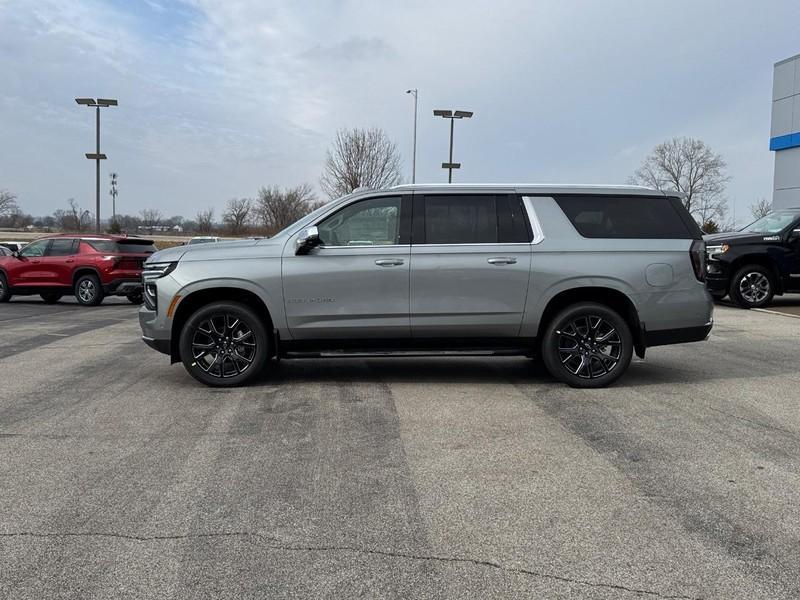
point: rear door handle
(389, 262)
(501, 260)
(70, 260)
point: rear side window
(625, 217)
(62, 247)
(460, 220)
(126, 247)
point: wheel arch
(81, 271)
(607, 296)
(198, 298)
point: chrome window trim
(536, 226)
(322, 247)
(479, 244)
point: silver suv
(581, 276)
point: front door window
(374, 222)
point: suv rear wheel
(224, 344)
(5, 291)
(88, 290)
(587, 345)
(752, 287)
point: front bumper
(162, 346)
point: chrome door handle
(389, 262)
(502, 260)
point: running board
(405, 353)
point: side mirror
(15, 254)
(308, 239)
(795, 235)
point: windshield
(772, 223)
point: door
(59, 262)
(355, 284)
(28, 270)
(793, 256)
(470, 266)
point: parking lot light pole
(414, 92)
(452, 115)
(97, 156)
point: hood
(740, 237)
(219, 250)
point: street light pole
(97, 156)
(414, 91)
(452, 115)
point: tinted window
(512, 224)
(62, 247)
(460, 220)
(35, 248)
(628, 217)
(374, 222)
(126, 247)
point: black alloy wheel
(587, 345)
(224, 344)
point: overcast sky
(218, 98)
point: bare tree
(360, 158)
(689, 166)
(74, 218)
(276, 208)
(205, 220)
(151, 218)
(761, 208)
(8, 202)
(236, 215)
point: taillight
(697, 253)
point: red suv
(89, 266)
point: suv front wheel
(587, 345)
(752, 287)
(224, 344)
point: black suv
(757, 262)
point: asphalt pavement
(122, 477)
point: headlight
(717, 250)
(152, 272)
(157, 270)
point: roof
(93, 236)
(530, 188)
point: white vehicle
(203, 239)
(13, 246)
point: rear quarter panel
(656, 275)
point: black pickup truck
(756, 263)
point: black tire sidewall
(252, 320)
(5, 295)
(550, 345)
(98, 296)
(736, 296)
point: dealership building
(785, 135)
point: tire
(203, 338)
(88, 290)
(753, 286)
(584, 323)
(136, 298)
(51, 297)
(5, 291)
